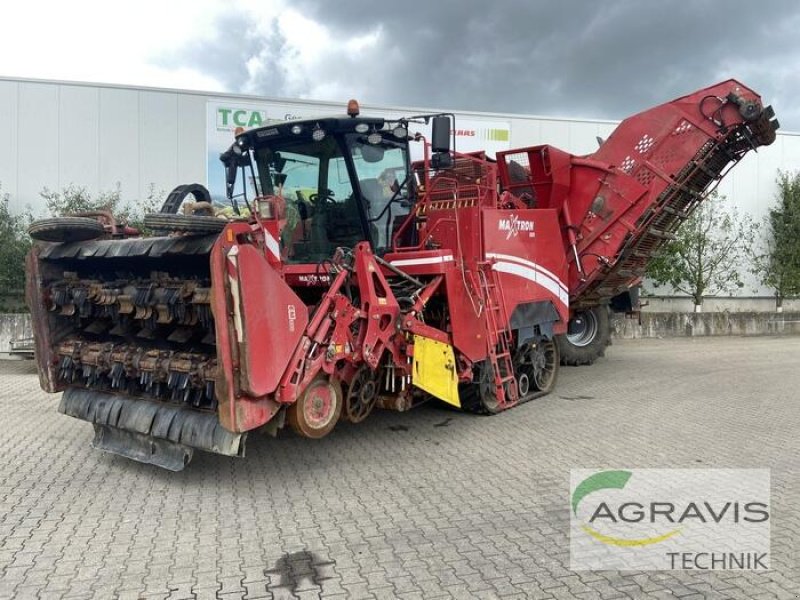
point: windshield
(338, 191)
(321, 209)
(382, 172)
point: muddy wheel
(184, 223)
(545, 360)
(480, 396)
(316, 411)
(588, 334)
(66, 229)
(536, 366)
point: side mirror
(230, 173)
(231, 159)
(440, 135)
(441, 161)
(278, 162)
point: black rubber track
(470, 396)
(178, 195)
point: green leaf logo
(599, 481)
(615, 480)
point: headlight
(318, 135)
(297, 129)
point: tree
(706, 257)
(71, 199)
(16, 243)
(778, 266)
(75, 199)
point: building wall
(53, 134)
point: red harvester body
(362, 279)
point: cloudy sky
(567, 58)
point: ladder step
(666, 235)
(673, 211)
(498, 337)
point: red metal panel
(524, 247)
(259, 322)
(269, 320)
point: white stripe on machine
(431, 260)
(272, 244)
(531, 265)
(549, 283)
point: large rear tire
(588, 334)
(66, 229)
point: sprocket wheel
(480, 395)
(318, 408)
(361, 395)
(538, 364)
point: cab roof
(303, 128)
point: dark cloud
(568, 58)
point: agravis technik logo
(670, 519)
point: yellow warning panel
(434, 369)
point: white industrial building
(53, 134)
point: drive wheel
(184, 223)
(66, 229)
(588, 334)
(545, 360)
(316, 411)
(480, 396)
(361, 395)
(536, 365)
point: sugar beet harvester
(360, 278)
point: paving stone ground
(427, 504)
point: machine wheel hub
(582, 329)
(317, 410)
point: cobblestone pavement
(428, 504)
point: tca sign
(230, 118)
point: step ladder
(499, 340)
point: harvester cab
(333, 182)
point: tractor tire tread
(66, 229)
(576, 356)
(184, 223)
